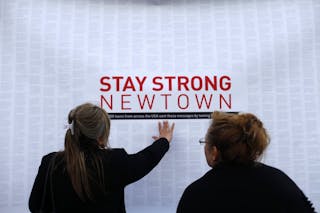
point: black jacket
(249, 189)
(120, 168)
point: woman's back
(120, 169)
(87, 176)
(230, 188)
(110, 199)
(237, 182)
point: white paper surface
(52, 52)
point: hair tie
(71, 127)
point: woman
(88, 176)
(237, 182)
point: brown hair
(239, 138)
(90, 123)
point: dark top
(257, 188)
(120, 169)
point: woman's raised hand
(165, 131)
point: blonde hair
(90, 124)
(239, 138)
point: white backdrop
(53, 50)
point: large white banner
(145, 60)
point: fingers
(165, 130)
(172, 127)
(165, 125)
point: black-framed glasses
(202, 141)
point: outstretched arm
(143, 162)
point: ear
(214, 154)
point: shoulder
(115, 157)
(49, 155)
(45, 162)
(199, 186)
(195, 195)
(268, 168)
(115, 153)
(47, 158)
(288, 189)
(272, 172)
(278, 181)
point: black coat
(249, 189)
(120, 168)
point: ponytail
(87, 123)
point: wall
(53, 52)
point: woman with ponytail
(238, 182)
(88, 176)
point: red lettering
(224, 100)
(146, 99)
(193, 79)
(141, 82)
(170, 78)
(155, 82)
(117, 78)
(187, 101)
(203, 99)
(212, 83)
(166, 99)
(225, 85)
(103, 100)
(104, 81)
(183, 81)
(128, 85)
(125, 102)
